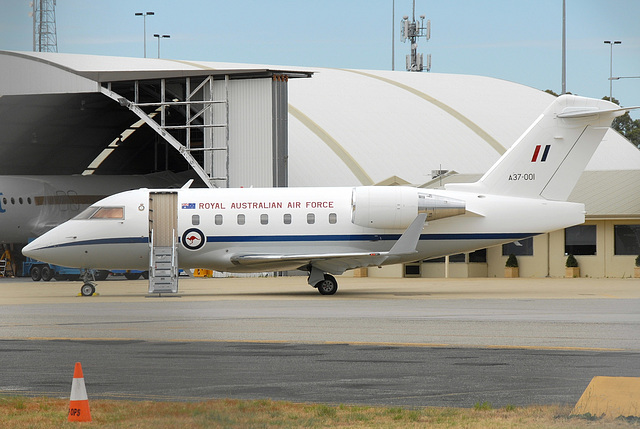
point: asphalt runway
(409, 342)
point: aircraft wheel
(328, 286)
(36, 274)
(132, 276)
(145, 275)
(87, 289)
(47, 273)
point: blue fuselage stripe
(363, 237)
(310, 238)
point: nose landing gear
(89, 285)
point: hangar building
(257, 125)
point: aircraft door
(163, 217)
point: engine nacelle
(396, 207)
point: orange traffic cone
(79, 406)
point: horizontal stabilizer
(590, 111)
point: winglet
(408, 241)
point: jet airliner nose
(33, 249)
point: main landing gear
(328, 286)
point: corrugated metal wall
(250, 132)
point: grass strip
(23, 412)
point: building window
(519, 248)
(218, 219)
(412, 270)
(195, 220)
(333, 218)
(627, 239)
(478, 256)
(311, 218)
(580, 240)
(264, 219)
(241, 219)
(287, 219)
(439, 260)
(460, 257)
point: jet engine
(397, 207)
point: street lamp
(165, 36)
(611, 43)
(144, 17)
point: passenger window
(240, 219)
(73, 201)
(195, 220)
(218, 219)
(264, 219)
(20, 200)
(109, 213)
(62, 200)
(311, 218)
(333, 218)
(13, 200)
(28, 200)
(287, 219)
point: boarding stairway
(163, 268)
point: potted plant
(571, 267)
(636, 269)
(511, 267)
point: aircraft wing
(337, 263)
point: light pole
(611, 43)
(165, 36)
(144, 18)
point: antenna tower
(44, 26)
(412, 30)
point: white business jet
(327, 231)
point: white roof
(378, 124)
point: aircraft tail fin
(548, 159)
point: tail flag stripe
(546, 152)
(535, 154)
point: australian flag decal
(188, 206)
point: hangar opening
(72, 116)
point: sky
(514, 40)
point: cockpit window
(87, 213)
(109, 213)
(101, 213)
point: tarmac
(23, 291)
(409, 342)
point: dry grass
(21, 412)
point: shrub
(571, 262)
(512, 261)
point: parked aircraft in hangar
(327, 231)
(32, 205)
